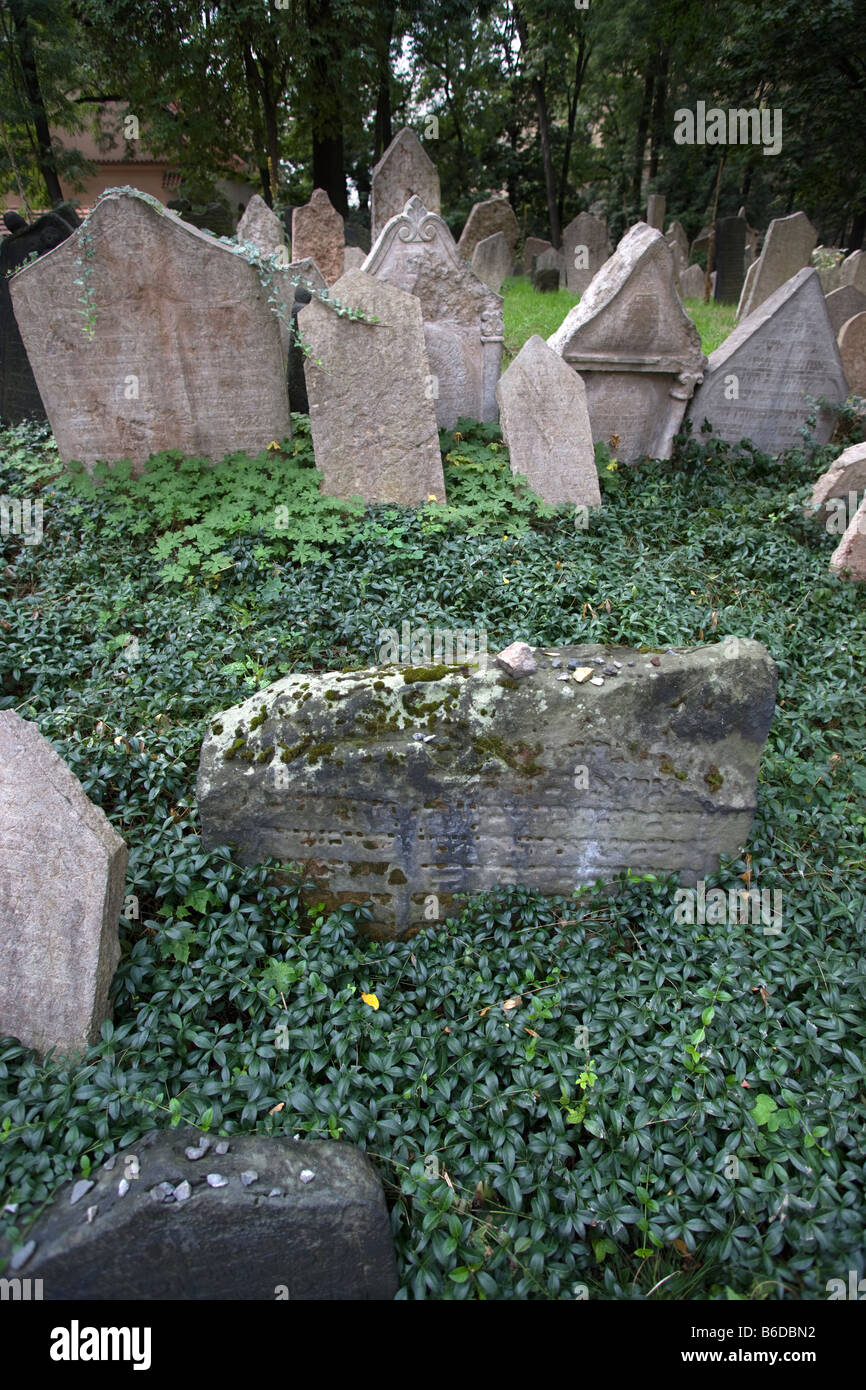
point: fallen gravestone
(405, 171)
(463, 324)
(62, 876)
(635, 347)
(585, 249)
(183, 1216)
(759, 384)
(532, 247)
(852, 350)
(729, 259)
(371, 404)
(545, 424)
(493, 215)
(19, 394)
(787, 248)
(853, 271)
(692, 282)
(656, 206)
(261, 226)
(545, 266)
(403, 786)
(317, 232)
(843, 304)
(175, 347)
(846, 479)
(849, 558)
(491, 261)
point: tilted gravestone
(844, 480)
(788, 246)
(852, 350)
(853, 271)
(543, 781)
(493, 215)
(692, 282)
(371, 407)
(532, 247)
(176, 346)
(585, 248)
(656, 206)
(843, 304)
(545, 424)
(179, 1215)
(19, 394)
(317, 232)
(261, 226)
(491, 261)
(62, 875)
(463, 322)
(730, 259)
(849, 558)
(405, 171)
(759, 382)
(635, 347)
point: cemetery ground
(565, 1097)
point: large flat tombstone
(261, 226)
(852, 350)
(585, 246)
(185, 352)
(635, 347)
(323, 771)
(492, 260)
(545, 423)
(405, 171)
(730, 259)
(463, 322)
(788, 247)
(371, 408)
(19, 394)
(843, 304)
(758, 383)
(317, 231)
(493, 215)
(62, 876)
(184, 1216)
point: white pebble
(307, 1175)
(183, 1191)
(91, 1212)
(222, 1147)
(122, 1187)
(81, 1187)
(250, 1176)
(216, 1180)
(22, 1254)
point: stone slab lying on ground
(185, 352)
(545, 424)
(183, 1216)
(846, 476)
(62, 876)
(403, 786)
(759, 383)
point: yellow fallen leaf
(484, 1011)
(531, 1031)
(277, 1108)
(511, 1003)
(273, 445)
(371, 1000)
(431, 497)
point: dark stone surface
(730, 259)
(297, 380)
(14, 222)
(356, 235)
(328, 1238)
(213, 218)
(19, 394)
(545, 280)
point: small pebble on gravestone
(275, 1192)
(654, 661)
(109, 1163)
(556, 664)
(81, 1187)
(22, 1254)
(597, 680)
(90, 1214)
(599, 660)
(573, 665)
(250, 1176)
(618, 664)
(610, 670)
(629, 663)
(517, 660)
(562, 678)
(183, 1191)
(222, 1147)
(216, 1180)
(307, 1175)
(582, 674)
(123, 1187)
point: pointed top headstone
(404, 171)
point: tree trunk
(579, 74)
(641, 138)
(537, 88)
(383, 130)
(858, 231)
(251, 73)
(329, 160)
(658, 113)
(27, 58)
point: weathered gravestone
(540, 781)
(656, 206)
(532, 247)
(843, 304)
(183, 1216)
(585, 248)
(692, 282)
(491, 261)
(62, 875)
(853, 271)
(846, 479)
(405, 171)
(463, 324)
(353, 258)
(635, 347)
(317, 231)
(852, 350)
(184, 351)
(758, 383)
(371, 407)
(545, 424)
(261, 226)
(675, 236)
(849, 558)
(493, 215)
(787, 248)
(19, 394)
(729, 259)
(545, 266)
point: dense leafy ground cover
(522, 1157)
